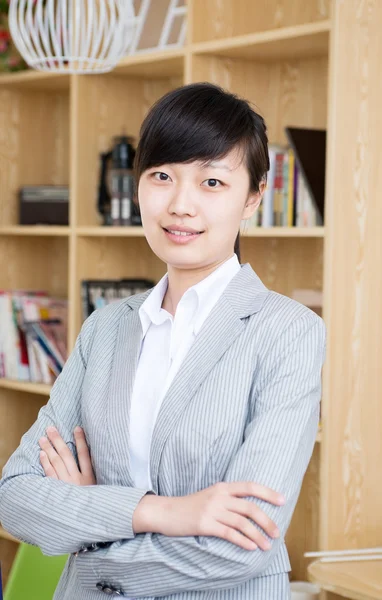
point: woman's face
(208, 201)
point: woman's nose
(182, 203)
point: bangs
(194, 123)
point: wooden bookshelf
(291, 60)
(358, 580)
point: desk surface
(358, 580)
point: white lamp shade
(75, 36)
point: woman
(198, 400)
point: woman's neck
(180, 280)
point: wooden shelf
(110, 231)
(36, 80)
(292, 232)
(355, 580)
(155, 65)
(301, 41)
(7, 536)
(43, 230)
(25, 386)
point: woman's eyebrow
(216, 165)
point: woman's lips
(181, 239)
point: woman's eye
(160, 176)
(213, 183)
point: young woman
(198, 401)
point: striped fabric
(244, 405)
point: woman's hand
(217, 511)
(58, 461)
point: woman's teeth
(181, 232)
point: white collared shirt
(166, 341)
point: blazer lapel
(243, 296)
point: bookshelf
(291, 59)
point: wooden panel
(217, 19)
(303, 533)
(286, 93)
(34, 142)
(36, 263)
(285, 264)
(352, 409)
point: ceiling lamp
(72, 36)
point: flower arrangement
(10, 59)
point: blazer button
(108, 590)
(100, 586)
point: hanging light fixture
(72, 36)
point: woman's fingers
(60, 455)
(232, 535)
(48, 469)
(233, 518)
(54, 459)
(251, 510)
(83, 452)
(251, 488)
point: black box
(44, 205)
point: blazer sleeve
(278, 444)
(60, 517)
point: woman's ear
(253, 201)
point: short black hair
(202, 121)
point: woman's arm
(56, 516)
(278, 445)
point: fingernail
(77, 430)
(282, 499)
(267, 545)
(51, 429)
(42, 454)
(276, 533)
(43, 439)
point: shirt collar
(206, 293)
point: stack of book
(287, 201)
(33, 336)
(97, 293)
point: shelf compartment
(35, 263)
(219, 19)
(301, 41)
(34, 144)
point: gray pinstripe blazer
(243, 406)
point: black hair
(201, 121)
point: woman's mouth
(181, 237)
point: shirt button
(107, 590)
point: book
(97, 293)
(33, 336)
